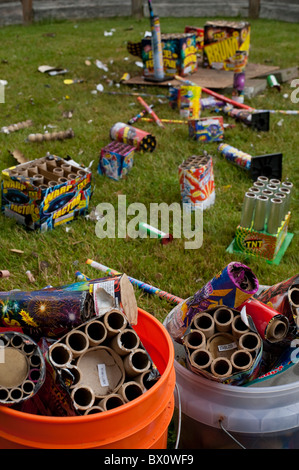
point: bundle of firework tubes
(72, 350)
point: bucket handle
(229, 434)
(179, 417)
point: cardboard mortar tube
(76, 372)
(239, 327)
(77, 342)
(250, 341)
(221, 367)
(201, 359)
(96, 332)
(94, 409)
(114, 400)
(4, 394)
(60, 355)
(204, 322)
(241, 359)
(293, 295)
(15, 394)
(141, 380)
(83, 397)
(130, 390)
(276, 330)
(136, 362)
(195, 339)
(223, 318)
(28, 387)
(114, 321)
(125, 342)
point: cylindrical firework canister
(221, 367)
(248, 210)
(93, 409)
(4, 273)
(268, 193)
(131, 135)
(293, 296)
(196, 178)
(205, 323)
(155, 233)
(96, 332)
(235, 155)
(77, 342)
(254, 190)
(62, 180)
(60, 355)
(157, 49)
(136, 362)
(130, 390)
(287, 193)
(201, 359)
(28, 387)
(260, 213)
(83, 397)
(52, 183)
(223, 318)
(195, 339)
(58, 171)
(125, 342)
(38, 179)
(28, 348)
(263, 179)
(283, 197)
(250, 341)
(239, 327)
(274, 218)
(269, 324)
(259, 185)
(275, 181)
(71, 176)
(114, 400)
(241, 360)
(287, 184)
(66, 167)
(15, 394)
(76, 373)
(222, 345)
(272, 187)
(272, 82)
(114, 321)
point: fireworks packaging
(196, 179)
(206, 129)
(231, 287)
(221, 347)
(116, 160)
(189, 101)
(222, 42)
(44, 193)
(258, 120)
(199, 34)
(141, 140)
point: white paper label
(103, 375)
(227, 347)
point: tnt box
(261, 244)
(222, 40)
(179, 54)
(44, 193)
(116, 160)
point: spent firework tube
(131, 135)
(155, 233)
(271, 325)
(235, 155)
(150, 111)
(141, 285)
(139, 116)
(231, 287)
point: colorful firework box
(222, 41)
(199, 33)
(116, 160)
(261, 244)
(196, 178)
(189, 101)
(179, 54)
(207, 129)
(45, 193)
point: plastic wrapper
(230, 287)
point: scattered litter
(61, 135)
(30, 276)
(100, 65)
(51, 70)
(100, 87)
(4, 273)
(16, 127)
(280, 122)
(139, 64)
(70, 81)
(88, 63)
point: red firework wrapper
(197, 181)
(131, 135)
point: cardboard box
(44, 193)
(199, 33)
(179, 54)
(222, 40)
(116, 160)
(208, 129)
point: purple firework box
(116, 160)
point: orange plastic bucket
(140, 424)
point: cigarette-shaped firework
(155, 233)
(139, 116)
(273, 83)
(196, 178)
(131, 135)
(231, 287)
(256, 165)
(16, 127)
(271, 325)
(22, 368)
(61, 135)
(150, 111)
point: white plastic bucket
(212, 414)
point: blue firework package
(44, 193)
(116, 160)
(206, 129)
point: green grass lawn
(154, 176)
